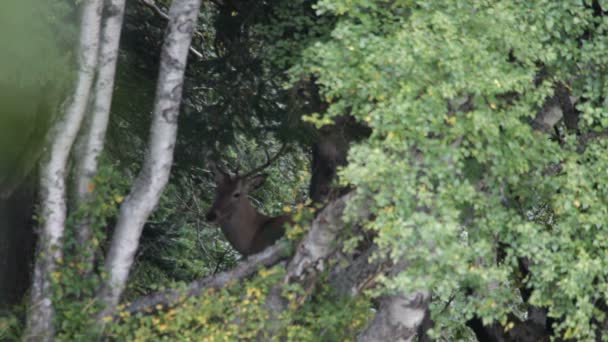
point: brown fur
(246, 229)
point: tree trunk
(398, 318)
(52, 179)
(157, 164)
(91, 141)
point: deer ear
(256, 182)
(219, 175)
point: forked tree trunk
(52, 179)
(91, 141)
(157, 163)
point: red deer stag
(247, 230)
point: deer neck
(241, 227)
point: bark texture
(398, 319)
(91, 142)
(311, 254)
(52, 181)
(157, 164)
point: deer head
(247, 230)
(231, 193)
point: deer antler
(269, 161)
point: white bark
(398, 318)
(157, 164)
(52, 180)
(91, 141)
(311, 255)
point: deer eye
(236, 195)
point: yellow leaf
(287, 209)
(577, 203)
(492, 105)
(118, 199)
(451, 120)
(389, 209)
(569, 333)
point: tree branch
(152, 5)
(270, 256)
(318, 244)
(399, 316)
(312, 252)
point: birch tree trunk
(157, 163)
(91, 141)
(52, 180)
(398, 318)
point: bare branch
(270, 256)
(151, 4)
(319, 244)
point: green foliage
(238, 312)
(177, 244)
(10, 326)
(76, 281)
(451, 187)
(462, 194)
